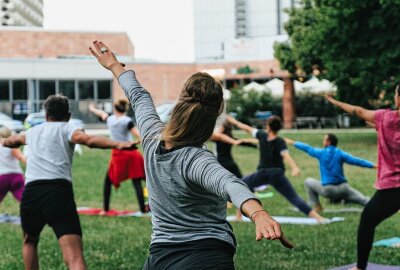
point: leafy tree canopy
(353, 43)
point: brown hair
(5, 132)
(121, 105)
(193, 118)
(274, 123)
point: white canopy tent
(254, 86)
(318, 86)
(275, 86)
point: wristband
(251, 216)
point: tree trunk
(288, 108)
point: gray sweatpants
(334, 192)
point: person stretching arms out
(386, 200)
(188, 188)
(333, 184)
(11, 174)
(48, 197)
(271, 169)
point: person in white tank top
(11, 174)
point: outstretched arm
(148, 121)
(357, 161)
(366, 115)
(216, 136)
(80, 137)
(240, 125)
(288, 158)
(17, 153)
(14, 141)
(314, 152)
(100, 113)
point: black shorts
(194, 255)
(49, 202)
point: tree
(353, 43)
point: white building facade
(21, 13)
(237, 30)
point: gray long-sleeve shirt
(188, 188)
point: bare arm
(360, 112)
(80, 137)
(266, 226)
(240, 125)
(17, 153)
(14, 141)
(100, 113)
(216, 136)
(135, 133)
(288, 158)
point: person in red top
(386, 200)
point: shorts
(49, 202)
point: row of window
(74, 90)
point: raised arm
(100, 113)
(366, 115)
(204, 170)
(357, 161)
(80, 137)
(147, 119)
(14, 141)
(240, 125)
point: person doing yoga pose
(386, 200)
(333, 184)
(188, 188)
(123, 164)
(271, 168)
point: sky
(160, 30)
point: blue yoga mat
(391, 242)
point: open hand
(289, 141)
(296, 172)
(126, 145)
(268, 228)
(104, 55)
(330, 98)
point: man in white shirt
(48, 197)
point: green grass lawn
(122, 243)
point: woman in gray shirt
(188, 188)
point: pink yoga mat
(371, 266)
(112, 213)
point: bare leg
(315, 215)
(29, 252)
(238, 215)
(72, 250)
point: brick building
(35, 63)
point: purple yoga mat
(371, 266)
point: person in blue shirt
(333, 184)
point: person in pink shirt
(386, 200)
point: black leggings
(276, 178)
(382, 205)
(137, 184)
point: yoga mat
(6, 218)
(336, 210)
(112, 213)
(371, 266)
(292, 220)
(391, 242)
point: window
(86, 90)
(20, 90)
(67, 88)
(4, 90)
(46, 88)
(104, 89)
